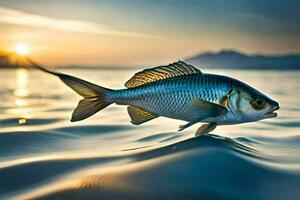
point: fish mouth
(272, 113)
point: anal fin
(139, 116)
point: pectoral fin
(139, 116)
(201, 109)
(206, 128)
(182, 127)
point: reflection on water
(21, 83)
(105, 157)
(21, 92)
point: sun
(22, 49)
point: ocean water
(45, 156)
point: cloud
(258, 23)
(16, 17)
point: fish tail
(95, 98)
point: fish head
(248, 105)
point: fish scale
(171, 97)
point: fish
(177, 91)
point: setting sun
(22, 49)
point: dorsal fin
(162, 72)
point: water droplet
(22, 121)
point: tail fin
(94, 96)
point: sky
(146, 32)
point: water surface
(44, 156)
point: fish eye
(258, 103)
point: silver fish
(177, 91)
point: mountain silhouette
(224, 59)
(11, 60)
(236, 60)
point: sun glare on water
(22, 49)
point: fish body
(177, 91)
(172, 97)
